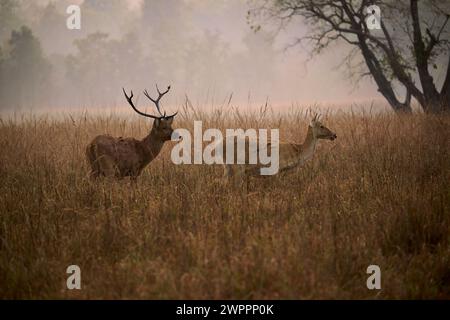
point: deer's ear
(157, 122)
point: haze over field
(100, 189)
(205, 49)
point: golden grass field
(379, 194)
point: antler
(130, 101)
(156, 102)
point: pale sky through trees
(204, 48)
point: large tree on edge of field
(414, 37)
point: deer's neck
(309, 145)
(151, 146)
(301, 152)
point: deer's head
(162, 128)
(162, 124)
(320, 131)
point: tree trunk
(445, 91)
(384, 85)
(432, 100)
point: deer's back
(122, 153)
(289, 154)
(118, 146)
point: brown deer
(291, 155)
(122, 157)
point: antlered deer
(122, 157)
(291, 155)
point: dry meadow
(379, 194)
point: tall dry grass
(377, 195)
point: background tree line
(42, 63)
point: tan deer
(291, 155)
(122, 157)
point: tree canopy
(412, 36)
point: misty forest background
(205, 49)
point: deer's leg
(107, 167)
(239, 176)
(240, 180)
(91, 157)
(231, 175)
(227, 171)
(235, 175)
